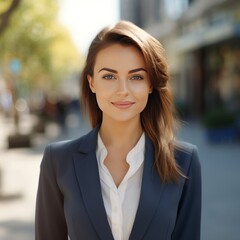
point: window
(175, 8)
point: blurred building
(202, 42)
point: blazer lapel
(150, 194)
(86, 169)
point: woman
(128, 178)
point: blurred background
(43, 45)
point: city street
(221, 185)
(20, 170)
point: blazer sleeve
(188, 223)
(49, 219)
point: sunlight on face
(120, 82)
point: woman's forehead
(120, 56)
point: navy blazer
(70, 203)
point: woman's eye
(136, 77)
(108, 76)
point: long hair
(158, 118)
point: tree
(35, 40)
(6, 10)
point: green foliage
(219, 118)
(40, 43)
(4, 5)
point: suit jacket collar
(150, 194)
(86, 169)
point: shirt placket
(116, 214)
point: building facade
(202, 42)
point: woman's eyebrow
(137, 70)
(114, 71)
(108, 69)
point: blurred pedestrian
(6, 103)
(62, 106)
(128, 178)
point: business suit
(69, 200)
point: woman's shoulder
(74, 144)
(64, 149)
(185, 147)
(65, 145)
(186, 155)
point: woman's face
(120, 82)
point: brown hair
(157, 118)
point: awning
(204, 36)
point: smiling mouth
(122, 105)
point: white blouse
(121, 202)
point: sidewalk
(220, 173)
(220, 185)
(20, 172)
(18, 184)
(18, 200)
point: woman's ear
(150, 90)
(91, 83)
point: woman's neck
(120, 134)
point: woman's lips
(122, 105)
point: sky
(84, 18)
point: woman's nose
(123, 86)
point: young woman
(128, 178)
